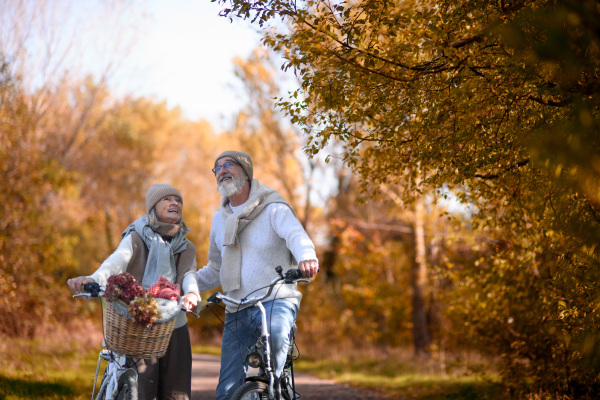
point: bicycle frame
(118, 376)
(117, 363)
(114, 369)
(264, 340)
(260, 356)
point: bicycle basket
(124, 336)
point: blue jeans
(245, 326)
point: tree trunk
(421, 334)
(107, 231)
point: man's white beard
(228, 189)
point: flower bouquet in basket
(142, 305)
(139, 322)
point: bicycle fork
(267, 353)
(106, 356)
(113, 371)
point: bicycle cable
(240, 344)
(235, 330)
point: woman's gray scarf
(260, 197)
(161, 261)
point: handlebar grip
(292, 274)
(93, 288)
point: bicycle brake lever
(191, 312)
(204, 307)
(214, 298)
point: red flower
(142, 306)
(123, 287)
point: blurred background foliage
(456, 144)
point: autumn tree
(71, 156)
(26, 178)
(497, 100)
(42, 43)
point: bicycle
(260, 380)
(119, 381)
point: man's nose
(221, 172)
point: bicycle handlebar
(291, 276)
(93, 289)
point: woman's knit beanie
(157, 192)
(242, 158)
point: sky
(180, 51)
(185, 58)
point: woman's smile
(169, 209)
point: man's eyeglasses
(227, 165)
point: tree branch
(463, 42)
(546, 102)
(381, 227)
(494, 176)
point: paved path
(205, 374)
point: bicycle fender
(257, 378)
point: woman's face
(169, 209)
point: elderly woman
(153, 246)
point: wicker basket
(124, 336)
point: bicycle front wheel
(287, 391)
(251, 391)
(127, 388)
(103, 385)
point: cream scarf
(260, 197)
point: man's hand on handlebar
(76, 284)
(309, 268)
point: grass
(57, 368)
(415, 385)
(26, 389)
(398, 374)
(33, 371)
(54, 368)
(38, 374)
(64, 369)
(206, 349)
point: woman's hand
(190, 301)
(76, 284)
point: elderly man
(254, 231)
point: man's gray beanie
(157, 192)
(242, 158)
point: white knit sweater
(270, 240)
